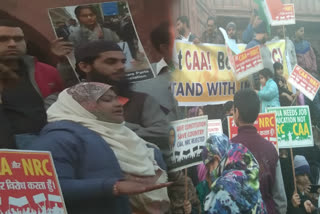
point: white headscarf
(131, 151)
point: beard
(263, 40)
(233, 36)
(182, 31)
(121, 87)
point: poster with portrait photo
(103, 21)
(186, 140)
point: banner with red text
(304, 82)
(248, 62)
(203, 75)
(265, 124)
(286, 16)
(29, 184)
(186, 139)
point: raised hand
(60, 47)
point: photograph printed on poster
(80, 24)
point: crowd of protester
(108, 136)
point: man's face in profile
(180, 27)
(109, 66)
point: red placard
(265, 124)
(28, 183)
(248, 62)
(287, 14)
(304, 82)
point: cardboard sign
(304, 82)
(293, 126)
(265, 125)
(29, 184)
(285, 17)
(214, 127)
(186, 139)
(112, 19)
(248, 62)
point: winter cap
(94, 48)
(301, 165)
(261, 28)
(231, 25)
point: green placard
(293, 126)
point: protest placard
(243, 63)
(107, 21)
(214, 127)
(286, 16)
(304, 82)
(293, 126)
(248, 62)
(29, 183)
(186, 139)
(265, 125)
(203, 75)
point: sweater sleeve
(269, 91)
(153, 121)
(247, 35)
(66, 149)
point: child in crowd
(269, 94)
(301, 201)
(286, 96)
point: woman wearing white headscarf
(98, 159)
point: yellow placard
(203, 75)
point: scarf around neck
(131, 151)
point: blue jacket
(269, 95)
(86, 166)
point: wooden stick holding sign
(186, 198)
(293, 172)
(186, 169)
(291, 152)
